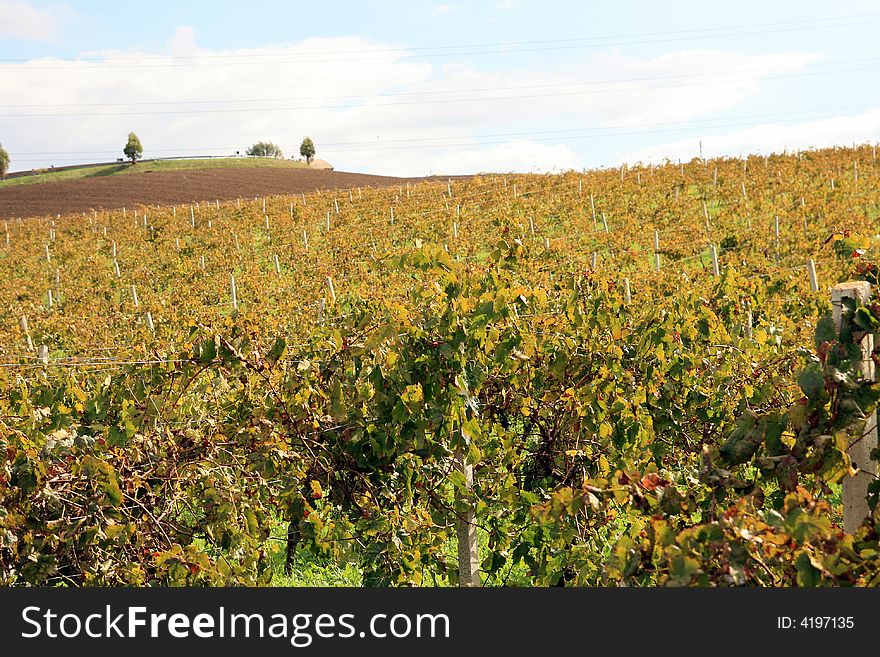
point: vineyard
(617, 377)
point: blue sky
(436, 87)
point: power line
(433, 101)
(675, 76)
(500, 48)
(566, 134)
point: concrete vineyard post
(715, 268)
(27, 333)
(627, 294)
(855, 488)
(233, 292)
(465, 525)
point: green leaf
(807, 574)
(825, 331)
(812, 382)
(279, 348)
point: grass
(49, 175)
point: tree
(307, 149)
(133, 149)
(265, 149)
(4, 162)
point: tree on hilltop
(265, 149)
(133, 149)
(4, 162)
(307, 150)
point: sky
(418, 88)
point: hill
(166, 182)
(624, 377)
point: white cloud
(768, 138)
(22, 20)
(183, 42)
(519, 156)
(350, 89)
(444, 9)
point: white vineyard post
(811, 272)
(331, 289)
(233, 291)
(855, 488)
(715, 267)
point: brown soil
(175, 187)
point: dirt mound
(321, 164)
(173, 187)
